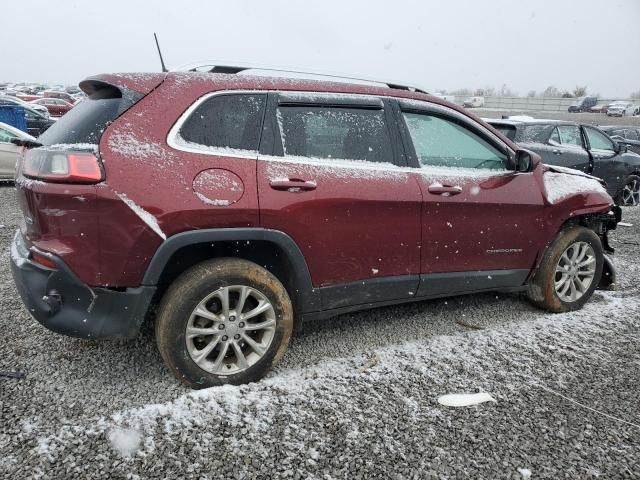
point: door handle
(557, 152)
(293, 185)
(444, 190)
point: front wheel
(630, 194)
(569, 272)
(224, 321)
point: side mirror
(526, 161)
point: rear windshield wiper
(25, 143)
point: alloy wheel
(631, 193)
(575, 271)
(230, 330)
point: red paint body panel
(356, 224)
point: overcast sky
(443, 44)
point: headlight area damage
(561, 184)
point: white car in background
(622, 109)
(473, 102)
(8, 151)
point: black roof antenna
(164, 68)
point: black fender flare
(308, 296)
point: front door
(332, 176)
(480, 219)
(606, 162)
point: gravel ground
(591, 118)
(355, 397)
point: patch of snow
(620, 224)
(374, 271)
(145, 216)
(561, 185)
(53, 212)
(525, 472)
(464, 399)
(215, 202)
(129, 145)
(222, 151)
(72, 146)
(125, 441)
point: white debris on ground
(525, 472)
(145, 216)
(464, 399)
(125, 441)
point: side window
(442, 142)
(555, 137)
(632, 134)
(570, 135)
(599, 140)
(324, 132)
(535, 133)
(225, 121)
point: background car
(473, 102)
(583, 104)
(36, 122)
(581, 147)
(600, 108)
(621, 109)
(8, 151)
(55, 106)
(7, 100)
(58, 94)
(629, 136)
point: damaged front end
(601, 224)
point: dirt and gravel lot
(355, 397)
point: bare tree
(550, 91)
(531, 94)
(580, 91)
(635, 95)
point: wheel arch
(271, 249)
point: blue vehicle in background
(25, 119)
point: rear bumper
(58, 300)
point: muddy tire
(223, 321)
(569, 272)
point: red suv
(235, 207)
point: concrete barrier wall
(532, 103)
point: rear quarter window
(86, 122)
(229, 121)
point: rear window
(335, 133)
(88, 119)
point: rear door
(481, 221)
(331, 176)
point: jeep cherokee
(234, 207)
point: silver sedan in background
(8, 151)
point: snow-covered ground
(364, 395)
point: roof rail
(215, 67)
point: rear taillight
(61, 166)
(43, 260)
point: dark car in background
(36, 122)
(629, 136)
(583, 104)
(581, 147)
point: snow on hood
(562, 185)
(571, 171)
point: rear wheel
(630, 194)
(569, 272)
(224, 321)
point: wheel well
(267, 254)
